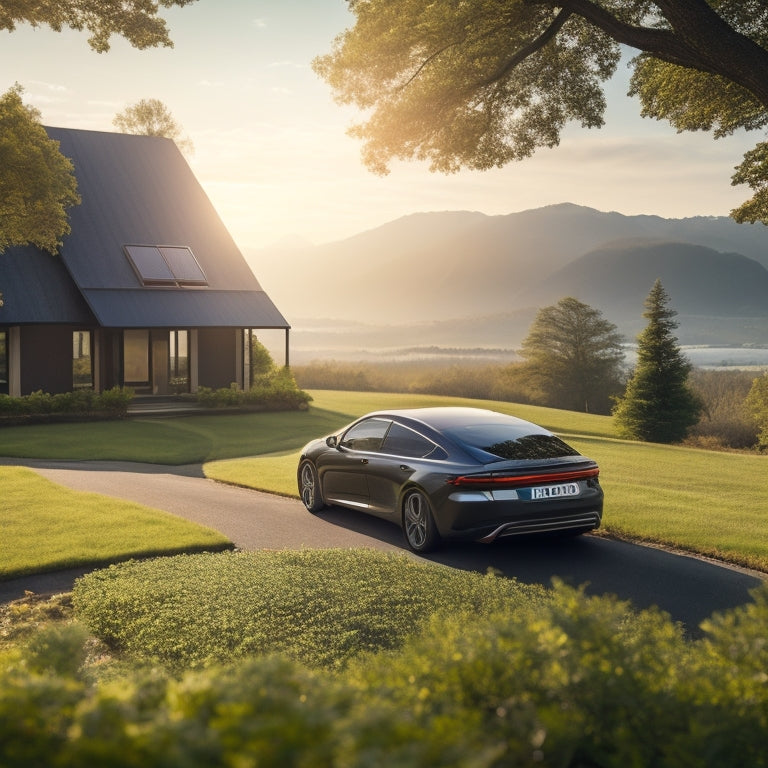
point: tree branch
(664, 44)
(527, 50)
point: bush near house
(82, 403)
(273, 391)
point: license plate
(551, 491)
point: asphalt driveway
(690, 589)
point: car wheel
(309, 487)
(418, 523)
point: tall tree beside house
(135, 20)
(658, 405)
(573, 358)
(150, 117)
(37, 183)
(480, 83)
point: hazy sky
(271, 148)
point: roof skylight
(165, 265)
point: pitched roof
(37, 288)
(139, 190)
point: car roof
(448, 417)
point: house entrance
(156, 361)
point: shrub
(725, 421)
(273, 391)
(568, 681)
(81, 404)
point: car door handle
(363, 461)
(405, 468)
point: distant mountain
(700, 281)
(433, 270)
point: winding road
(688, 588)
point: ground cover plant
(558, 680)
(46, 527)
(319, 607)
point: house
(149, 289)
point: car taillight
(514, 481)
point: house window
(4, 363)
(82, 361)
(178, 350)
(169, 265)
(136, 356)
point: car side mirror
(332, 441)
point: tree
(480, 83)
(135, 20)
(573, 357)
(150, 117)
(261, 362)
(757, 405)
(37, 183)
(658, 405)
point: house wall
(218, 352)
(45, 358)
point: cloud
(287, 64)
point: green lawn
(707, 502)
(46, 527)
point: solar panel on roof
(183, 264)
(165, 265)
(149, 264)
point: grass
(197, 439)
(46, 527)
(711, 503)
(319, 607)
(707, 502)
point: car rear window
(504, 442)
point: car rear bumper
(479, 516)
(584, 521)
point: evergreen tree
(658, 404)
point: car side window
(365, 436)
(401, 441)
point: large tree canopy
(150, 117)
(479, 83)
(37, 183)
(135, 20)
(573, 357)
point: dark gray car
(453, 473)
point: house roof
(37, 288)
(140, 191)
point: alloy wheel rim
(415, 520)
(307, 486)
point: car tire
(309, 487)
(419, 524)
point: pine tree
(658, 405)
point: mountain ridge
(452, 266)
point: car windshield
(502, 441)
